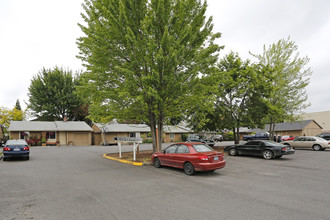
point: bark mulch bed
(144, 156)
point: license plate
(216, 158)
(16, 149)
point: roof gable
(140, 128)
(72, 126)
(124, 127)
(176, 129)
(289, 126)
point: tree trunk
(237, 136)
(160, 135)
(272, 125)
(153, 130)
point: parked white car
(316, 143)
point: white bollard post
(119, 145)
(134, 151)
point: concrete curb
(125, 161)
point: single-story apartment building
(296, 128)
(105, 133)
(173, 133)
(76, 133)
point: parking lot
(77, 183)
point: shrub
(228, 136)
(184, 137)
(148, 141)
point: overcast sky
(38, 33)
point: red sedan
(287, 138)
(189, 156)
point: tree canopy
(18, 105)
(251, 95)
(52, 95)
(288, 78)
(7, 115)
(237, 90)
(144, 58)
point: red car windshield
(201, 148)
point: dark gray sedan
(265, 148)
(16, 149)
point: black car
(200, 138)
(16, 149)
(265, 148)
(325, 136)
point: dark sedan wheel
(317, 147)
(232, 152)
(157, 163)
(189, 168)
(267, 154)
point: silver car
(316, 143)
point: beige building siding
(96, 129)
(292, 133)
(14, 134)
(82, 138)
(62, 137)
(322, 118)
(77, 138)
(312, 129)
(172, 137)
(97, 139)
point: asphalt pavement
(78, 183)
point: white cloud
(38, 33)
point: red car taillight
(6, 149)
(26, 148)
(284, 148)
(204, 157)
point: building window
(51, 135)
(172, 136)
(132, 135)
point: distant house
(77, 133)
(105, 134)
(296, 128)
(174, 133)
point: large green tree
(52, 95)
(288, 77)
(144, 57)
(237, 88)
